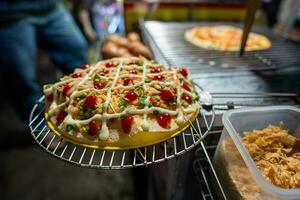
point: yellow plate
(140, 139)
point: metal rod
(216, 94)
(92, 157)
(71, 156)
(64, 150)
(51, 141)
(36, 137)
(175, 146)
(165, 150)
(153, 153)
(44, 136)
(55, 149)
(83, 153)
(123, 158)
(112, 159)
(213, 170)
(102, 158)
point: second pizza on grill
(225, 38)
(121, 103)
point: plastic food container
(237, 172)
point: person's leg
(18, 60)
(63, 40)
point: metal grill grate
(117, 159)
(167, 38)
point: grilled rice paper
(121, 103)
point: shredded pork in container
(272, 149)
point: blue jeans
(56, 33)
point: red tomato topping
(166, 95)
(133, 71)
(103, 72)
(127, 81)
(163, 120)
(84, 66)
(99, 85)
(66, 89)
(76, 75)
(61, 116)
(110, 64)
(158, 77)
(90, 101)
(186, 98)
(93, 127)
(186, 86)
(130, 96)
(183, 72)
(126, 123)
(50, 98)
(155, 70)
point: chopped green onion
(70, 127)
(142, 100)
(185, 104)
(122, 104)
(95, 111)
(82, 96)
(141, 62)
(139, 90)
(122, 116)
(150, 105)
(47, 86)
(97, 76)
(195, 97)
(147, 80)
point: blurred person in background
(81, 12)
(98, 18)
(289, 19)
(26, 25)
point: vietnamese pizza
(225, 38)
(121, 103)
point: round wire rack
(119, 159)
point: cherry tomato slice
(93, 127)
(126, 124)
(163, 120)
(90, 101)
(166, 95)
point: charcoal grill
(171, 48)
(266, 78)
